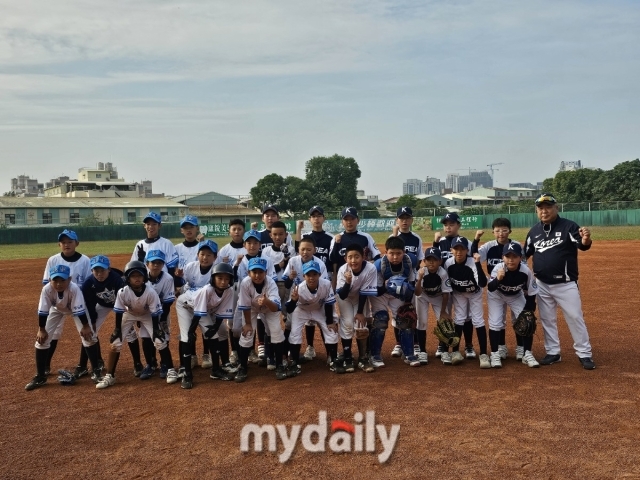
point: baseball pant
(54, 320)
(468, 305)
(567, 297)
(386, 302)
(128, 323)
(422, 303)
(300, 317)
(272, 327)
(498, 304)
(348, 310)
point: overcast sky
(201, 96)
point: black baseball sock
(235, 342)
(84, 359)
(459, 329)
(494, 339)
(332, 351)
(294, 350)
(223, 351)
(42, 356)
(527, 343)
(310, 333)
(205, 346)
(149, 350)
(165, 357)
(422, 339)
(278, 351)
(261, 331)
(243, 356)
(193, 347)
(503, 337)
(519, 341)
(287, 349)
(346, 348)
(214, 351)
(467, 329)
(184, 349)
(92, 354)
(112, 362)
(134, 348)
(53, 344)
(481, 333)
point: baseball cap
(257, 263)
(450, 217)
(404, 211)
(349, 211)
(310, 266)
(152, 216)
(61, 271)
(316, 208)
(433, 252)
(210, 244)
(192, 219)
(251, 234)
(100, 261)
(268, 207)
(546, 198)
(155, 255)
(512, 247)
(460, 242)
(70, 234)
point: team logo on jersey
(448, 283)
(544, 245)
(107, 296)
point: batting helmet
(219, 269)
(135, 266)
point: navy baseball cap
(155, 255)
(349, 211)
(251, 234)
(450, 217)
(70, 234)
(404, 211)
(61, 271)
(512, 247)
(257, 263)
(100, 261)
(210, 244)
(192, 219)
(460, 242)
(316, 208)
(546, 198)
(152, 216)
(433, 252)
(268, 207)
(310, 266)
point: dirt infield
(455, 422)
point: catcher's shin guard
(376, 337)
(406, 342)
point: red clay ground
(456, 422)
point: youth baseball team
(254, 299)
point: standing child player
(231, 253)
(212, 307)
(270, 214)
(312, 300)
(451, 225)
(395, 280)
(137, 302)
(99, 292)
(467, 281)
(80, 269)
(413, 248)
(433, 288)
(60, 297)
(356, 281)
(491, 252)
(322, 241)
(509, 281)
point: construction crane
(491, 169)
(467, 169)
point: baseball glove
(525, 324)
(406, 317)
(445, 330)
(362, 333)
(66, 378)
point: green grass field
(45, 250)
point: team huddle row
(254, 299)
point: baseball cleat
(106, 381)
(469, 352)
(496, 361)
(376, 361)
(187, 383)
(529, 360)
(519, 352)
(220, 374)
(397, 351)
(233, 358)
(241, 376)
(439, 351)
(206, 361)
(349, 365)
(253, 358)
(137, 369)
(423, 358)
(163, 371)
(456, 358)
(230, 367)
(550, 359)
(503, 351)
(294, 370)
(587, 363)
(80, 372)
(364, 364)
(270, 365)
(147, 372)
(281, 372)
(485, 362)
(310, 353)
(260, 353)
(172, 376)
(338, 366)
(411, 360)
(36, 382)
(445, 358)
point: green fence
(85, 234)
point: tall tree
(269, 189)
(333, 180)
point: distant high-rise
(569, 166)
(415, 186)
(460, 183)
